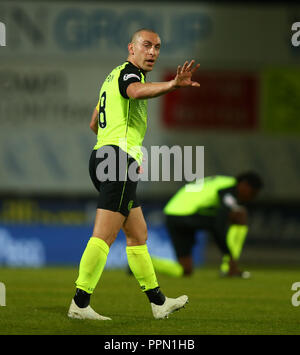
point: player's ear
(130, 48)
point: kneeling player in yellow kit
(218, 207)
(120, 122)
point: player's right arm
(94, 120)
(183, 78)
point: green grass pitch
(37, 301)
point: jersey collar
(141, 70)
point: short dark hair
(141, 30)
(252, 178)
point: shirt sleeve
(128, 75)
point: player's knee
(187, 264)
(136, 241)
(187, 271)
(139, 237)
(107, 238)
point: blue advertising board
(45, 245)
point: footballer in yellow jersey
(219, 208)
(120, 122)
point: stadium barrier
(43, 233)
(35, 232)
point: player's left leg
(139, 260)
(140, 263)
(181, 230)
(182, 236)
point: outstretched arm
(182, 79)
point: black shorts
(117, 190)
(182, 231)
(182, 235)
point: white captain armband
(231, 202)
(128, 76)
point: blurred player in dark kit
(219, 207)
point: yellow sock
(140, 263)
(167, 267)
(235, 239)
(92, 263)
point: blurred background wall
(246, 115)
